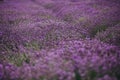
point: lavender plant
(59, 40)
(111, 35)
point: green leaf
(92, 74)
(77, 75)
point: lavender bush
(59, 40)
(111, 35)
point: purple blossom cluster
(68, 57)
(59, 40)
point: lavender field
(59, 39)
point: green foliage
(68, 18)
(118, 76)
(77, 75)
(81, 20)
(92, 74)
(19, 59)
(33, 45)
(97, 29)
(110, 35)
(106, 38)
(17, 21)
